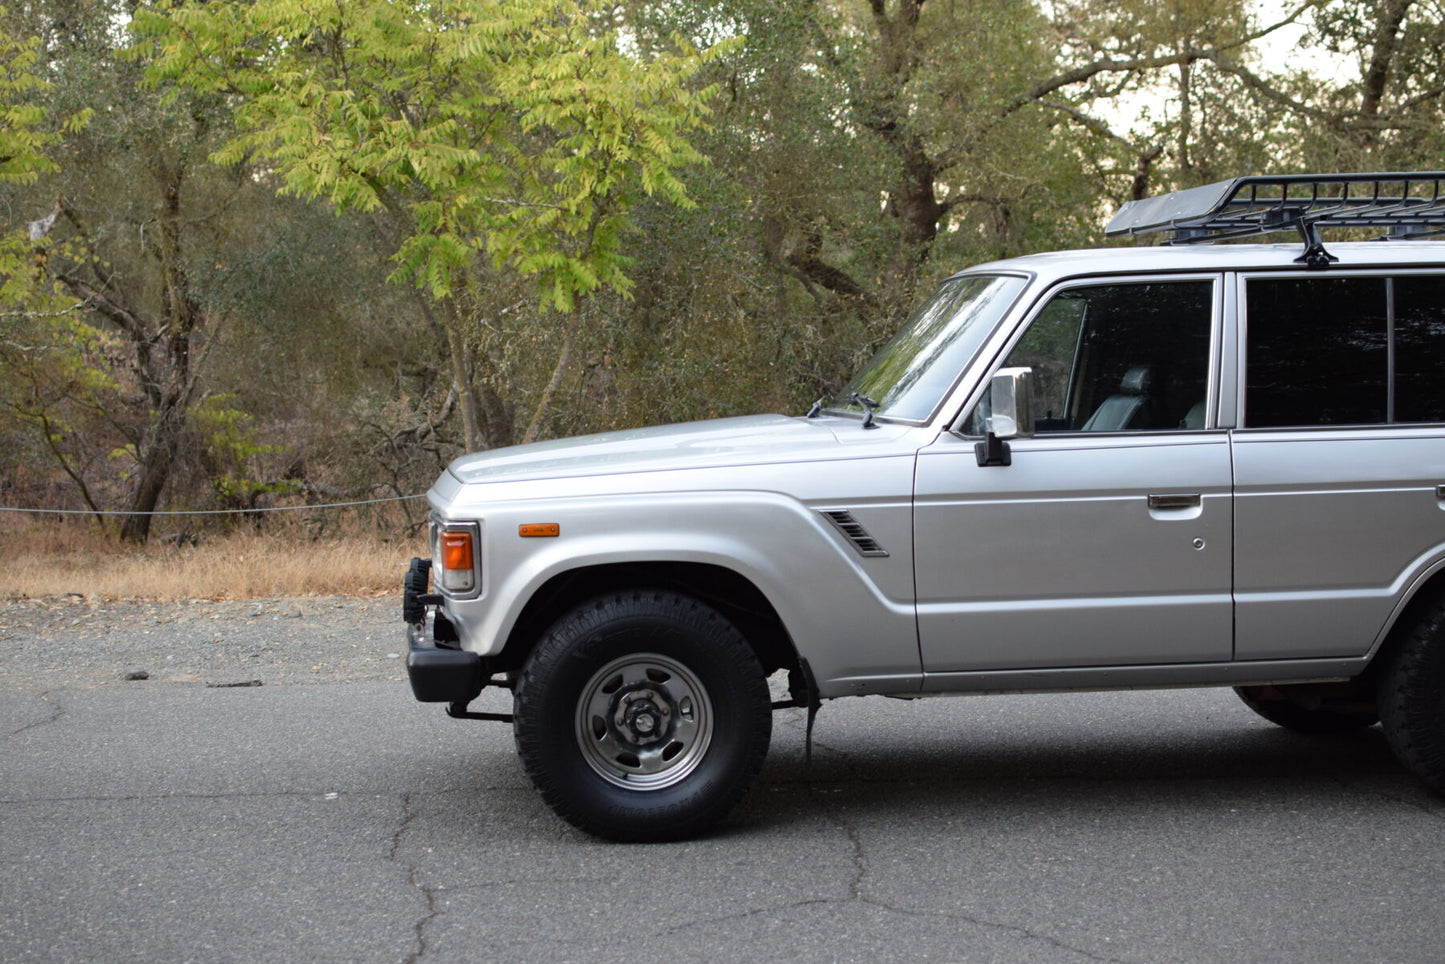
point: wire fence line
(176, 512)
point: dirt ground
(70, 642)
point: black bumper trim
(438, 674)
(444, 675)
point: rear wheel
(1318, 708)
(642, 715)
(1412, 699)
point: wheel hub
(642, 716)
(644, 721)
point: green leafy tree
(517, 130)
(47, 391)
(140, 244)
(140, 213)
(864, 148)
(1388, 109)
(1360, 88)
(23, 134)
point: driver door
(1107, 540)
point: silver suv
(1195, 464)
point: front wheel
(642, 715)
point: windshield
(913, 372)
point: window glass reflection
(912, 373)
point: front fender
(851, 617)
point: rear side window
(1344, 351)
(1419, 310)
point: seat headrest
(1137, 380)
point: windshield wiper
(869, 406)
(818, 406)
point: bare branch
(91, 298)
(1088, 120)
(62, 313)
(1434, 93)
(1351, 121)
(1103, 65)
(1108, 64)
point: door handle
(1165, 502)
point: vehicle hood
(748, 440)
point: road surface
(175, 821)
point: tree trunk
(914, 204)
(559, 372)
(161, 342)
(462, 382)
(913, 200)
(156, 456)
(1382, 55)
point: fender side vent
(854, 532)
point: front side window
(1118, 358)
(1344, 351)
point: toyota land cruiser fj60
(1193, 464)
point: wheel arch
(1428, 592)
(734, 596)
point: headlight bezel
(456, 552)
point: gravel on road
(73, 642)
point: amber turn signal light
(539, 530)
(457, 550)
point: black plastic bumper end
(444, 675)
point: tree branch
(1088, 120)
(1108, 64)
(93, 299)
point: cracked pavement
(344, 821)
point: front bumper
(438, 673)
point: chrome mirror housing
(1011, 412)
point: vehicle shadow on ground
(892, 770)
(1267, 767)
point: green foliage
(1385, 111)
(23, 134)
(504, 160)
(515, 128)
(51, 394)
(235, 452)
(26, 137)
(56, 392)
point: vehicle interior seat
(1194, 418)
(1131, 408)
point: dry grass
(46, 560)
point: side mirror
(1011, 414)
(1011, 394)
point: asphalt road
(343, 821)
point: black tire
(1412, 699)
(1320, 709)
(642, 716)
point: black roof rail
(1408, 205)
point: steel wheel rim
(644, 722)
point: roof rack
(1407, 205)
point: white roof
(1217, 257)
